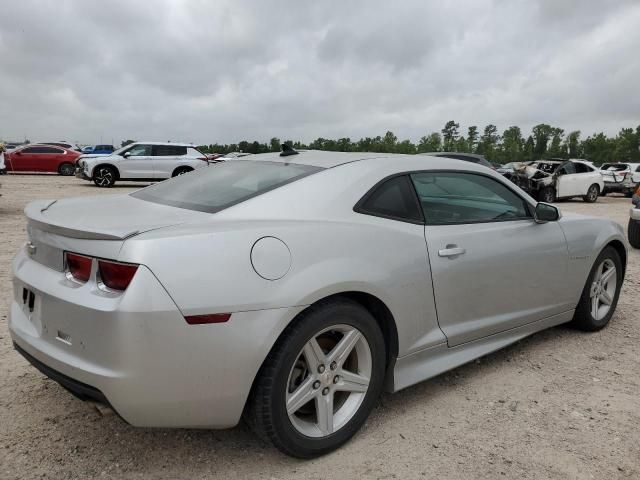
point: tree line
(544, 141)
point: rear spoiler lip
(34, 213)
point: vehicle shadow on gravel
(105, 441)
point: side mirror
(546, 212)
(126, 154)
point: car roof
(326, 159)
(175, 144)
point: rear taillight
(114, 275)
(79, 267)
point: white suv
(141, 161)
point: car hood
(106, 217)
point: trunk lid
(95, 226)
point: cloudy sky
(224, 71)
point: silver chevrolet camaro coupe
(291, 289)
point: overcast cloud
(224, 71)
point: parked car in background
(633, 231)
(63, 144)
(550, 180)
(98, 149)
(41, 158)
(141, 161)
(506, 170)
(467, 157)
(197, 300)
(620, 177)
(3, 168)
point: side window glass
(394, 199)
(140, 151)
(455, 197)
(567, 168)
(168, 150)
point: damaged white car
(550, 180)
(620, 177)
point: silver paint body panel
(514, 279)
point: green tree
(126, 142)
(556, 148)
(512, 145)
(541, 136)
(274, 144)
(472, 138)
(574, 148)
(450, 135)
(430, 143)
(488, 142)
(389, 142)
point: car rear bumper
(136, 352)
(635, 214)
(618, 186)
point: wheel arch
(186, 168)
(619, 247)
(376, 307)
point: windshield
(222, 185)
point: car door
(137, 162)
(22, 160)
(166, 158)
(493, 267)
(50, 158)
(569, 184)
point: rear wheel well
(113, 167)
(182, 168)
(383, 316)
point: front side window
(394, 199)
(224, 184)
(455, 197)
(139, 151)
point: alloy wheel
(603, 289)
(328, 381)
(593, 193)
(104, 177)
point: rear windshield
(224, 184)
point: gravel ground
(560, 404)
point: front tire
(633, 233)
(592, 194)
(320, 381)
(547, 195)
(601, 292)
(104, 176)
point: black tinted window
(168, 150)
(394, 199)
(223, 185)
(452, 198)
(582, 168)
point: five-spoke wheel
(320, 381)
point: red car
(41, 158)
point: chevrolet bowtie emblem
(31, 249)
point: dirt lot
(561, 404)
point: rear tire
(601, 292)
(633, 233)
(592, 194)
(104, 176)
(308, 399)
(66, 169)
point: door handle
(451, 251)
